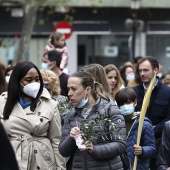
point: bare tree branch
(30, 8)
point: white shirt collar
(145, 88)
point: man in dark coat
(159, 106)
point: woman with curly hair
(52, 84)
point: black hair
(54, 56)
(122, 73)
(9, 69)
(125, 95)
(3, 83)
(14, 89)
(136, 59)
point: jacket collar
(18, 110)
(157, 85)
(45, 94)
(93, 107)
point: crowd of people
(85, 121)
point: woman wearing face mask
(127, 100)
(90, 101)
(31, 120)
(8, 73)
(127, 74)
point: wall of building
(108, 21)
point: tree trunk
(30, 13)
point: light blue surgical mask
(83, 102)
(130, 77)
(44, 66)
(127, 109)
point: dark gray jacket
(163, 159)
(106, 154)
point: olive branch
(100, 127)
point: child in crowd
(57, 42)
(127, 100)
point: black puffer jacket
(163, 159)
(106, 155)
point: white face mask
(44, 66)
(127, 109)
(31, 89)
(130, 77)
(7, 78)
(83, 101)
(50, 65)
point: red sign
(65, 28)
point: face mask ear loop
(86, 95)
(21, 84)
(51, 63)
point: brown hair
(87, 80)
(125, 95)
(2, 65)
(166, 81)
(153, 61)
(55, 36)
(98, 73)
(111, 67)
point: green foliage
(69, 17)
(101, 127)
(41, 22)
(94, 11)
(63, 104)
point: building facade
(99, 35)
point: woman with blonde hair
(98, 73)
(52, 84)
(114, 79)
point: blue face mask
(44, 66)
(130, 77)
(127, 109)
(83, 102)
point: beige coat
(35, 136)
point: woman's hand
(137, 150)
(74, 132)
(89, 146)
